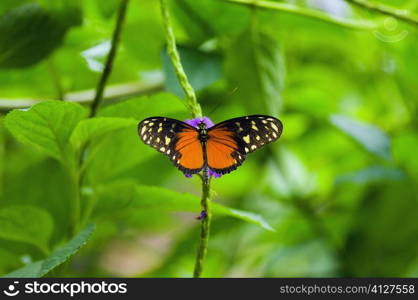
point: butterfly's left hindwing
(176, 139)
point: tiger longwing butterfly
(220, 148)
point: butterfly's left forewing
(230, 141)
(176, 139)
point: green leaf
(243, 215)
(47, 185)
(90, 129)
(205, 19)
(62, 254)
(202, 69)
(369, 136)
(30, 32)
(58, 256)
(26, 224)
(255, 69)
(27, 271)
(46, 126)
(141, 197)
(115, 154)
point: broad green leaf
(89, 129)
(255, 70)
(140, 197)
(369, 136)
(57, 257)
(10, 259)
(62, 254)
(27, 271)
(120, 151)
(26, 224)
(30, 32)
(44, 183)
(243, 215)
(115, 154)
(202, 69)
(46, 126)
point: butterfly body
(220, 148)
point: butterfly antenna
(220, 102)
(215, 108)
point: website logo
(391, 32)
(11, 290)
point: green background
(335, 196)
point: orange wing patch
(190, 150)
(221, 151)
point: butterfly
(221, 148)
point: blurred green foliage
(335, 196)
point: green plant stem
(78, 179)
(400, 14)
(196, 111)
(110, 58)
(204, 230)
(306, 12)
(191, 101)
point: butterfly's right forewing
(176, 139)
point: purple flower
(195, 122)
(203, 215)
(214, 174)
